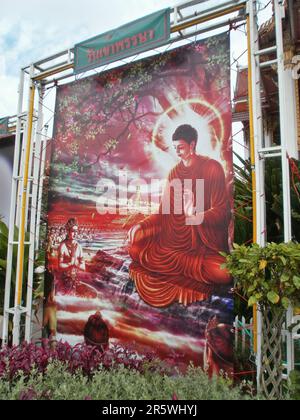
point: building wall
(6, 172)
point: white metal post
(284, 121)
(18, 310)
(20, 174)
(286, 110)
(29, 195)
(259, 162)
(12, 219)
(44, 146)
(33, 212)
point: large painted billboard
(140, 201)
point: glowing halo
(202, 102)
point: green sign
(141, 35)
(3, 126)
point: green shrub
(294, 385)
(118, 384)
(267, 276)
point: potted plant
(270, 278)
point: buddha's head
(185, 141)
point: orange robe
(173, 262)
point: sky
(34, 29)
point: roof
(269, 94)
(269, 75)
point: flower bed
(81, 358)
(62, 372)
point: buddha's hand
(188, 203)
(134, 234)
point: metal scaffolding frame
(260, 150)
(12, 125)
(29, 160)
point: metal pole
(21, 253)
(21, 171)
(33, 213)
(217, 25)
(12, 219)
(252, 141)
(205, 18)
(206, 15)
(258, 176)
(286, 182)
(41, 185)
(30, 177)
(279, 11)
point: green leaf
(3, 264)
(251, 289)
(244, 261)
(286, 302)
(285, 278)
(283, 260)
(4, 230)
(252, 301)
(273, 297)
(296, 281)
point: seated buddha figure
(174, 260)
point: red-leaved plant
(26, 357)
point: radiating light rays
(201, 115)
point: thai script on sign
(144, 34)
(119, 46)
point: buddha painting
(173, 260)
